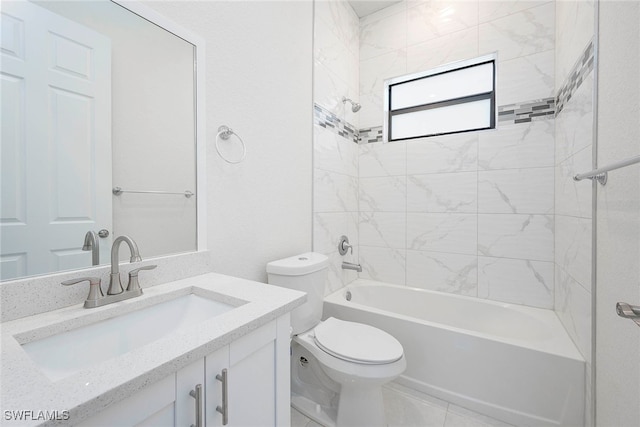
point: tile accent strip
(326, 119)
(522, 112)
(580, 70)
(525, 112)
(369, 135)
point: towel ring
(225, 133)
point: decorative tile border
(580, 70)
(522, 112)
(525, 112)
(326, 119)
(369, 135)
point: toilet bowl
(343, 360)
(337, 367)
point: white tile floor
(405, 407)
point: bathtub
(510, 362)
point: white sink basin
(61, 355)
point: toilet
(338, 368)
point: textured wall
(259, 59)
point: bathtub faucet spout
(351, 266)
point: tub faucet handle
(344, 246)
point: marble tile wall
(335, 154)
(472, 213)
(573, 154)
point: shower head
(355, 107)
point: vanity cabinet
(257, 383)
(250, 380)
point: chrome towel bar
(118, 191)
(601, 174)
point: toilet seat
(357, 342)
(362, 372)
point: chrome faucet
(115, 292)
(91, 244)
(115, 285)
(351, 266)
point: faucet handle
(134, 284)
(344, 246)
(95, 291)
(146, 267)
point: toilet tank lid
(299, 264)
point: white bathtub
(514, 363)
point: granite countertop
(23, 387)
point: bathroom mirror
(96, 96)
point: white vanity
(185, 353)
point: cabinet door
(251, 377)
(214, 364)
(154, 405)
(251, 384)
(187, 380)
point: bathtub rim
(560, 345)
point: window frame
(444, 69)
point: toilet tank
(307, 273)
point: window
(458, 97)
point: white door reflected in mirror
(96, 95)
(56, 167)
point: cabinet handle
(224, 409)
(197, 395)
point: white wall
(259, 68)
(618, 216)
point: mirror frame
(200, 88)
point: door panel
(56, 140)
(252, 388)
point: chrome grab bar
(628, 311)
(601, 174)
(118, 191)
